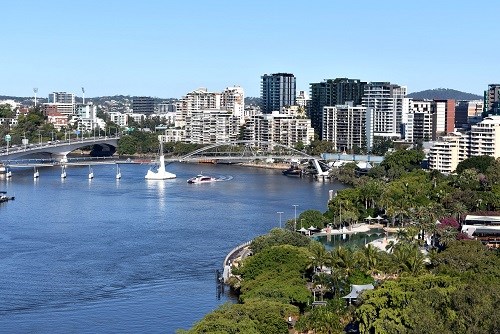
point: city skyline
(169, 49)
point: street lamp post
(280, 213)
(295, 211)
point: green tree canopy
(403, 159)
(257, 316)
(278, 237)
(479, 163)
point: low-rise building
(58, 120)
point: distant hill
(444, 94)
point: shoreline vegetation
(428, 277)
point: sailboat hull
(159, 175)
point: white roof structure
(357, 289)
(482, 220)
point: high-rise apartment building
(278, 90)
(233, 100)
(278, 128)
(209, 117)
(389, 104)
(332, 92)
(60, 102)
(444, 113)
(143, 105)
(302, 99)
(419, 125)
(198, 99)
(212, 126)
(466, 112)
(444, 155)
(348, 127)
(61, 97)
(492, 99)
(429, 119)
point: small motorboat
(294, 170)
(200, 178)
(4, 197)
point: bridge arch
(251, 149)
(57, 150)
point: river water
(130, 255)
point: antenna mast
(83, 91)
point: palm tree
(409, 259)
(318, 255)
(447, 235)
(344, 259)
(460, 210)
(370, 258)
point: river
(130, 255)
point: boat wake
(224, 178)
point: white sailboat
(118, 172)
(63, 172)
(161, 173)
(91, 173)
(35, 173)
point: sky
(166, 49)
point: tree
(403, 159)
(479, 163)
(257, 316)
(408, 258)
(319, 256)
(6, 111)
(321, 320)
(318, 147)
(381, 145)
(299, 146)
(278, 237)
(127, 145)
(396, 306)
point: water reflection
(349, 239)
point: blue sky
(168, 48)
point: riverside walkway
(238, 253)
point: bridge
(239, 151)
(243, 150)
(252, 150)
(54, 151)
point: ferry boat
(201, 179)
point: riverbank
(266, 165)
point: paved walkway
(350, 230)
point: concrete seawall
(239, 251)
